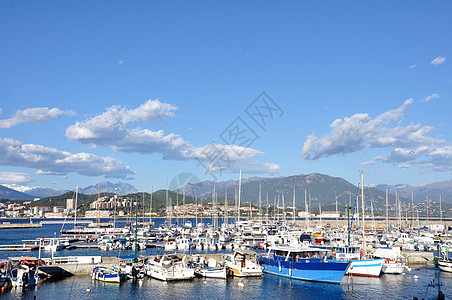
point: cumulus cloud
(430, 97)
(438, 61)
(52, 161)
(15, 177)
(403, 166)
(112, 125)
(409, 145)
(360, 131)
(114, 128)
(33, 115)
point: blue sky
(144, 91)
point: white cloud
(360, 131)
(409, 144)
(112, 128)
(53, 161)
(430, 97)
(15, 177)
(403, 166)
(438, 61)
(112, 125)
(413, 66)
(33, 115)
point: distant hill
(8, 193)
(16, 192)
(206, 187)
(120, 188)
(420, 193)
(317, 188)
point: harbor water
(268, 287)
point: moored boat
(443, 262)
(243, 263)
(303, 263)
(358, 266)
(105, 274)
(169, 268)
(394, 263)
(211, 269)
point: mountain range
(316, 188)
(16, 192)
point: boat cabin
(296, 254)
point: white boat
(208, 272)
(182, 243)
(394, 263)
(22, 271)
(211, 270)
(169, 268)
(105, 274)
(359, 267)
(170, 244)
(20, 276)
(444, 263)
(52, 245)
(243, 263)
(366, 267)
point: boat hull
(219, 273)
(366, 267)
(445, 266)
(104, 275)
(169, 275)
(393, 268)
(318, 270)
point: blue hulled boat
(307, 263)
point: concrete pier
(8, 225)
(418, 257)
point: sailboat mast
(362, 205)
(226, 217)
(98, 200)
(240, 187)
(183, 206)
(260, 201)
(284, 208)
(293, 206)
(150, 204)
(387, 212)
(440, 210)
(412, 209)
(75, 207)
(306, 208)
(337, 217)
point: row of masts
(278, 205)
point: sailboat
(360, 266)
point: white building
(95, 214)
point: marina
(77, 260)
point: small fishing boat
(303, 263)
(210, 269)
(23, 270)
(131, 267)
(243, 263)
(105, 274)
(443, 262)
